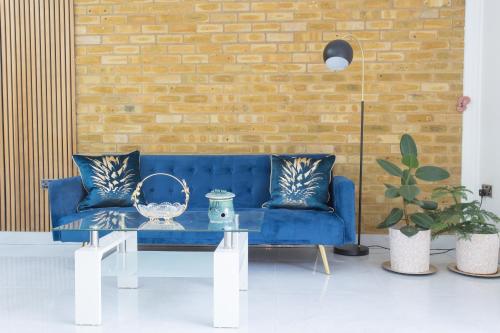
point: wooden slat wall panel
(37, 99)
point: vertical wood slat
(37, 98)
(34, 195)
(44, 37)
(49, 52)
(6, 96)
(72, 75)
(3, 79)
(40, 204)
(16, 112)
(22, 123)
(11, 98)
(10, 135)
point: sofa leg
(322, 252)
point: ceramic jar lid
(220, 195)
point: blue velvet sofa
(245, 175)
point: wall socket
(486, 191)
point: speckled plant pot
(410, 255)
(479, 255)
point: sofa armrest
(344, 205)
(64, 196)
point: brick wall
(248, 77)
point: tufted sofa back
(245, 175)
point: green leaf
(410, 161)
(394, 217)
(454, 192)
(390, 167)
(427, 204)
(409, 192)
(408, 146)
(407, 178)
(431, 173)
(438, 194)
(409, 230)
(440, 228)
(422, 220)
(391, 191)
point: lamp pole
(344, 51)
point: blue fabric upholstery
(245, 175)
(343, 199)
(64, 197)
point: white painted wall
(481, 129)
(489, 164)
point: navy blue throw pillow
(300, 182)
(109, 180)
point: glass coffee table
(230, 258)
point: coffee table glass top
(192, 221)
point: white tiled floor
(288, 293)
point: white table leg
(243, 248)
(127, 262)
(88, 276)
(227, 283)
(88, 286)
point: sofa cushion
(109, 180)
(247, 176)
(300, 182)
(280, 226)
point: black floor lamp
(338, 56)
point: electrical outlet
(486, 191)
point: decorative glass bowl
(163, 212)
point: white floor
(288, 293)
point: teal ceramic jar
(220, 208)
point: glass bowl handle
(137, 191)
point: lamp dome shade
(337, 54)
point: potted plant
(478, 241)
(410, 244)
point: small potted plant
(410, 244)
(476, 229)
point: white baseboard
(45, 238)
(24, 237)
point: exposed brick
(279, 37)
(228, 77)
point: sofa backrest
(247, 176)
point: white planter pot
(479, 254)
(410, 255)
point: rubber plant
(413, 212)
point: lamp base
(353, 250)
